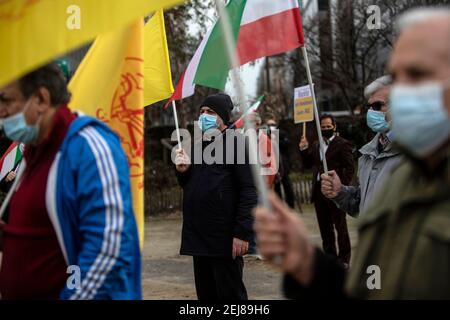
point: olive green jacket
(406, 233)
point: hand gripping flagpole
(316, 112)
(234, 61)
(13, 188)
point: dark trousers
(219, 279)
(288, 191)
(252, 247)
(330, 218)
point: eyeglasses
(376, 105)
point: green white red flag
(261, 28)
(10, 159)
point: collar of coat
(371, 149)
(410, 184)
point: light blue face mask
(420, 122)
(207, 122)
(376, 120)
(17, 129)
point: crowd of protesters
(75, 177)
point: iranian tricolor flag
(262, 28)
(10, 159)
(253, 108)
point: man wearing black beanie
(217, 204)
(221, 104)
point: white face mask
(420, 121)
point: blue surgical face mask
(376, 120)
(17, 129)
(207, 122)
(420, 122)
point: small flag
(11, 159)
(253, 108)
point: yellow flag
(157, 75)
(109, 85)
(33, 32)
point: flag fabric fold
(34, 32)
(109, 84)
(157, 74)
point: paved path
(167, 275)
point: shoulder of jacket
(97, 130)
(92, 135)
(342, 140)
(401, 168)
(387, 199)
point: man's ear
(220, 122)
(44, 99)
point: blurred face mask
(420, 121)
(376, 120)
(17, 129)
(327, 133)
(207, 122)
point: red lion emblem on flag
(15, 9)
(126, 115)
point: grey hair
(419, 15)
(380, 83)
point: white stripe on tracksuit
(50, 200)
(113, 216)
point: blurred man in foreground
(404, 235)
(71, 211)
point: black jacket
(217, 204)
(5, 186)
(339, 158)
(327, 283)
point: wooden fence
(302, 192)
(170, 200)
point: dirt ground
(167, 275)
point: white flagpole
(234, 61)
(316, 112)
(175, 115)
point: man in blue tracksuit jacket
(69, 231)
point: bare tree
(345, 55)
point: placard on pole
(303, 106)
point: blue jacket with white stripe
(89, 201)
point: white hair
(380, 83)
(419, 15)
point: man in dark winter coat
(218, 199)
